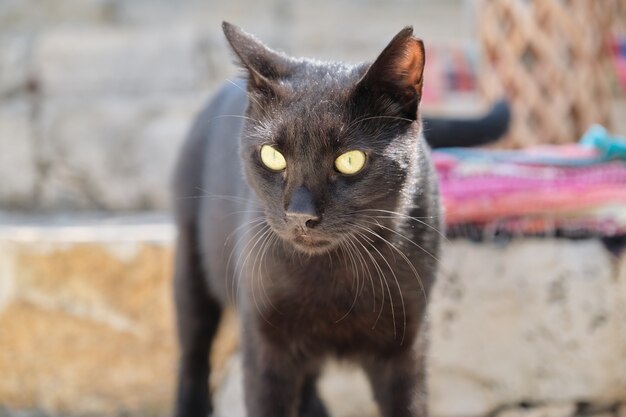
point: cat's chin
(311, 246)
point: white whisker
(390, 296)
(406, 239)
(406, 216)
(382, 280)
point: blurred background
(529, 317)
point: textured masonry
(86, 325)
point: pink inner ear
(410, 66)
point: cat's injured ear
(264, 65)
(397, 74)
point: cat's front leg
(198, 315)
(399, 385)
(272, 381)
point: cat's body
(319, 263)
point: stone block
(113, 154)
(537, 321)
(534, 320)
(113, 61)
(18, 156)
(86, 327)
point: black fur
(319, 264)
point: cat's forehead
(311, 102)
(313, 109)
(315, 130)
(317, 80)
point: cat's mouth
(311, 244)
(310, 241)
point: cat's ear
(264, 65)
(395, 79)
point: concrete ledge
(86, 325)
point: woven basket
(551, 58)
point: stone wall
(86, 327)
(96, 95)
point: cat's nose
(303, 220)
(301, 209)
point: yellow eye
(350, 162)
(272, 159)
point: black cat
(319, 219)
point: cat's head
(328, 147)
